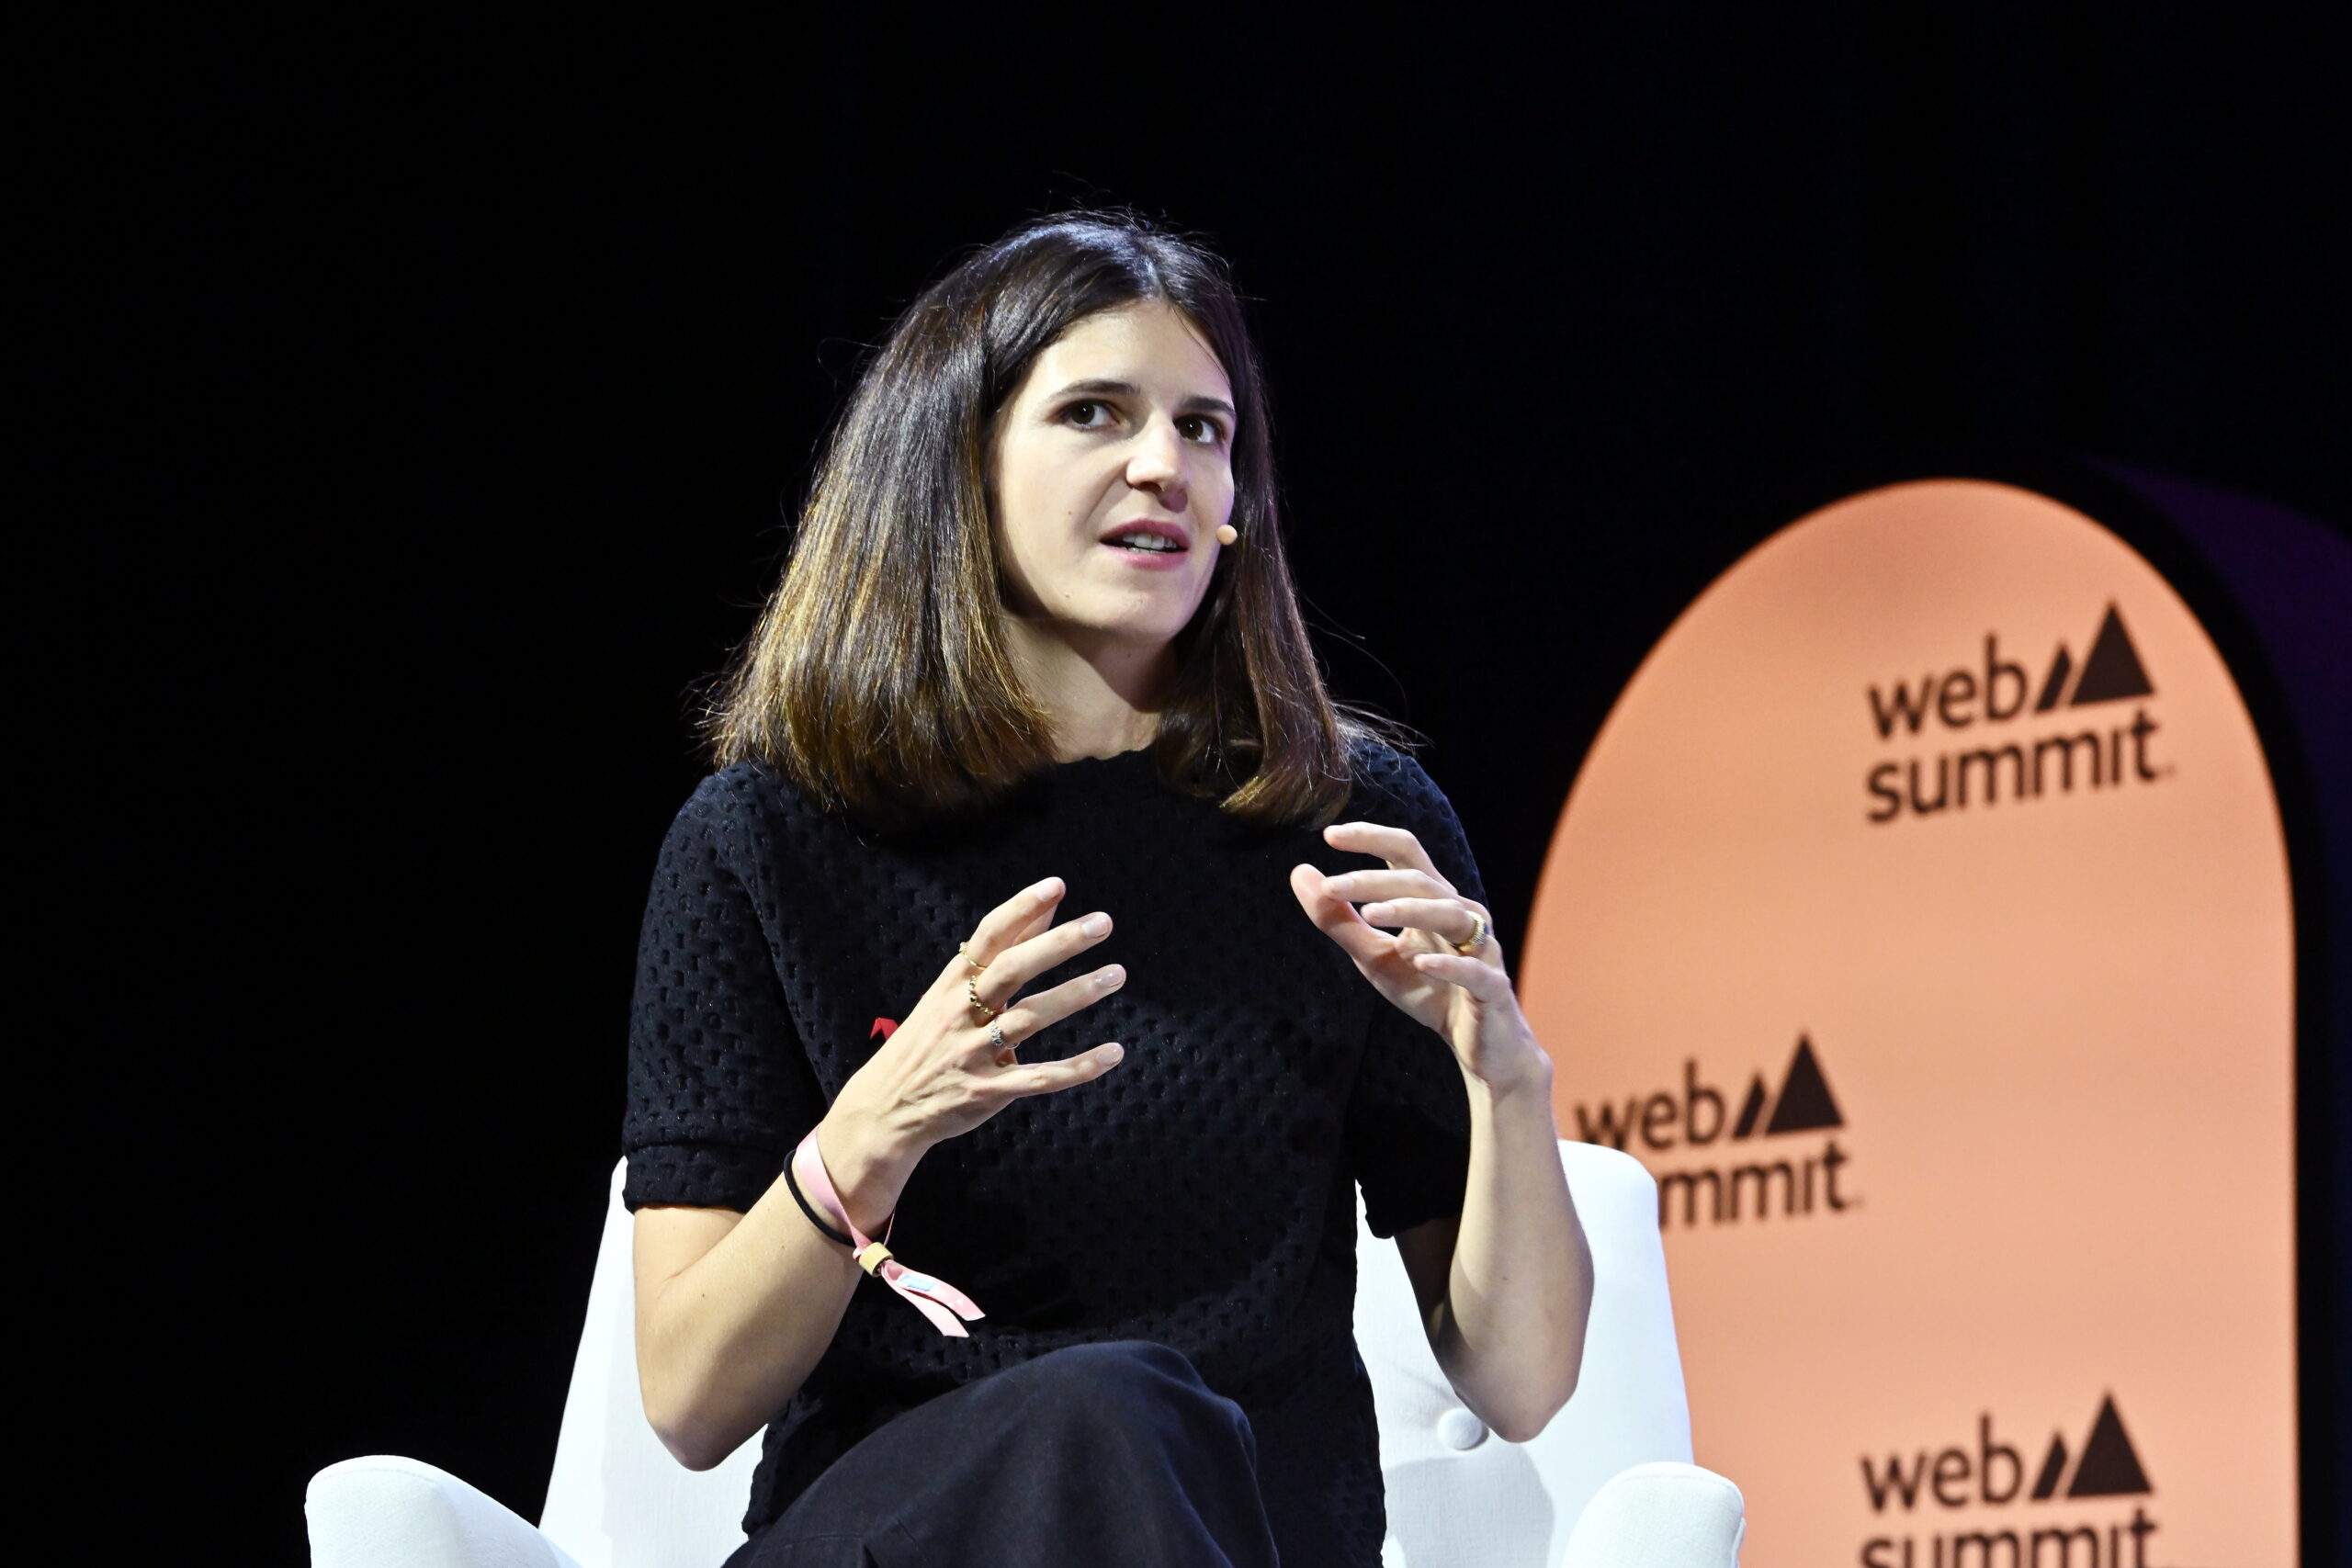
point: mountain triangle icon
(2054, 1468)
(2054, 686)
(1805, 1101)
(2110, 1466)
(1751, 1110)
(2112, 670)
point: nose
(1156, 462)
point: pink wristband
(934, 1298)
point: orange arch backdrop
(1921, 920)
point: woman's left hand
(1424, 968)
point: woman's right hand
(940, 1072)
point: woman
(1029, 747)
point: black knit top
(1200, 1194)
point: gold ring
(963, 952)
(1477, 936)
(972, 989)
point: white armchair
(1608, 1484)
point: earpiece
(1227, 533)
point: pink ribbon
(934, 1298)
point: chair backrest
(1459, 1496)
(1456, 1496)
(616, 1498)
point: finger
(1476, 976)
(1030, 1014)
(1050, 1078)
(1017, 918)
(1358, 887)
(1398, 848)
(1451, 921)
(1025, 961)
(1337, 918)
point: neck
(1103, 694)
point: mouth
(1149, 539)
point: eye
(1090, 413)
(1200, 427)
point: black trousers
(1092, 1455)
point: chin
(1155, 621)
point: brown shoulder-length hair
(879, 678)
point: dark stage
(446, 389)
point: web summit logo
(1989, 1473)
(1696, 1116)
(2030, 767)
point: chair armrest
(1660, 1515)
(388, 1512)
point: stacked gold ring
(1477, 936)
(972, 981)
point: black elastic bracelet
(793, 1183)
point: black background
(450, 386)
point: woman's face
(1111, 470)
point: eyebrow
(1129, 389)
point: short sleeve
(1408, 1118)
(719, 1088)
